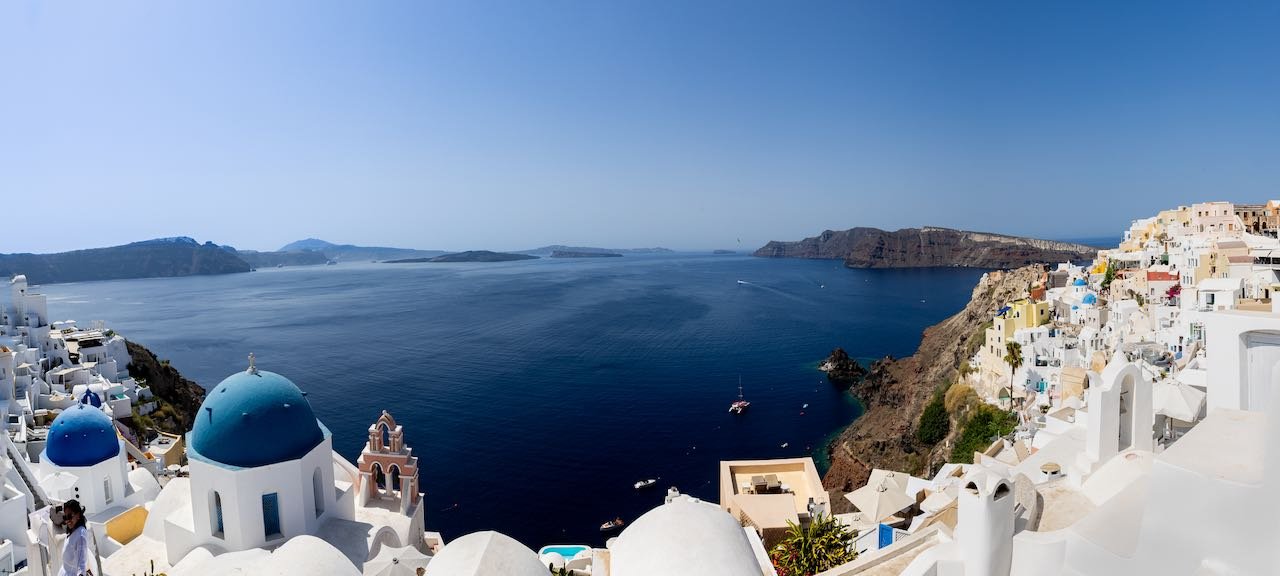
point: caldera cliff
(926, 247)
(179, 397)
(894, 391)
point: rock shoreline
(895, 391)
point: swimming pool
(567, 551)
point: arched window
(317, 491)
(386, 437)
(216, 515)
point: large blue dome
(1090, 299)
(1078, 282)
(81, 436)
(254, 418)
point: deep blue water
(535, 393)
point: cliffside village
(1141, 383)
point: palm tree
(807, 550)
(1012, 357)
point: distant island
(545, 250)
(576, 254)
(926, 247)
(258, 259)
(468, 256)
(353, 253)
(723, 252)
(162, 257)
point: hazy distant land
(468, 256)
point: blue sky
(506, 125)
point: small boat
(739, 405)
(279, 265)
(331, 262)
(785, 444)
(805, 406)
(742, 281)
(612, 525)
(646, 483)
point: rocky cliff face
(925, 247)
(895, 391)
(181, 395)
(149, 259)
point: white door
(1263, 370)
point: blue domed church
(262, 474)
(84, 459)
(261, 464)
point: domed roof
(484, 553)
(693, 537)
(1079, 282)
(81, 436)
(1090, 299)
(255, 418)
(90, 398)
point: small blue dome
(90, 398)
(1090, 299)
(1079, 282)
(81, 436)
(255, 418)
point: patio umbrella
(396, 562)
(898, 479)
(881, 500)
(1178, 400)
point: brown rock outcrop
(184, 396)
(895, 391)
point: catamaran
(740, 404)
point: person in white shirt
(75, 551)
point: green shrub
(984, 425)
(935, 423)
(820, 546)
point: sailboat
(740, 404)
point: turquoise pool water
(567, 551)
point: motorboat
(612, 525)
(646, 483)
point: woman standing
(75, 551)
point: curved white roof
(485, 553)
(309, 555)
(300, 555)
(683, 538)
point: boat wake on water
(782, 293)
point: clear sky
(508, 125)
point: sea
(536, 393)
